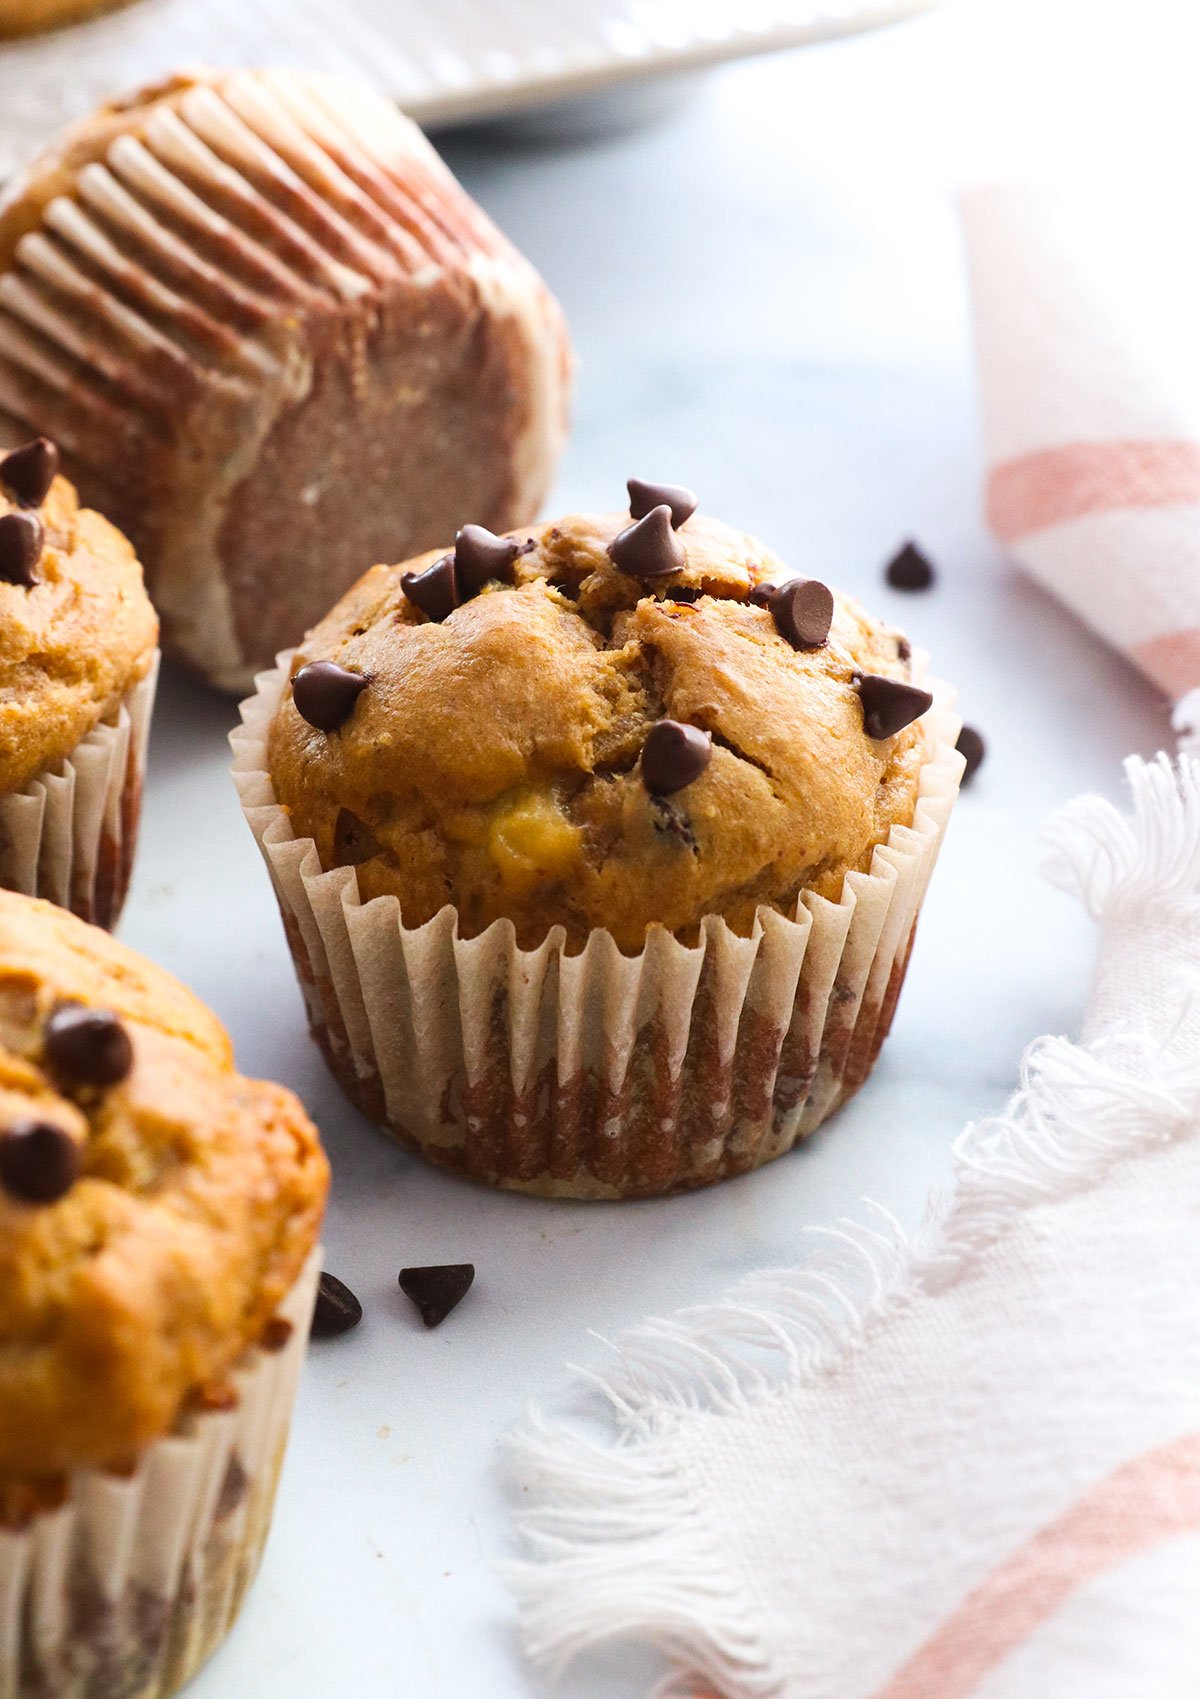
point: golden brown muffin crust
(492, 762)
(200, 1198)
(73, 645)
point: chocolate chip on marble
(644, 498)
(909, 569)
(434, 591)
(87, 1046)
(803, 612)
(436, 1291)
(337, 1311)
(673, 756)
(480, 556)
(971, 746)
(648, 548)
(39, 1162)
(888, 704)
(21, 541)
(325, 694)
(28, 472)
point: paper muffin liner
(600, 1074)
(70, 834)
(246, 255)
(133, 1582)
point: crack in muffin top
(155, 1206)
(493, 760)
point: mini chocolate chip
(973, 748)
(761, 593)
(275, 1335)
(337, 1311)
(480, 556)
(644, 497)
(21, 540)
(649, 548)
(670, 821)
(325, 694)
(87, 1046)
(436, 1291)
(28, 472)
(888, 704)
(803, 612)
(903, 649)
(909, 569)
(674, 755)
(434, 591)
(39, 1162)
(353, 840)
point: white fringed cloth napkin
(965, 1466)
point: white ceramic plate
(446, 61)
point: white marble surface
(767, 297)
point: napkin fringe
(616, 1544)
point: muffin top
(507, 755)
(155, 1207)
(76, 627)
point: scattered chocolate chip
(353, 840)
(761, 593)
(39, 1162)
(28, 472)
(325, 694)
(674, 755)
(644, 498)
(685, 593)
(480, 556)
(275, 1335)
(21, 540)
(337, 1311)
(903, 649)
(670, 821)
(87, 1046)
(649, 548)
(909, 569)
(803, 612)
(434, 591)
(973, 748)
(436, 1291)
(888, 705)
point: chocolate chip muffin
(158, 1226)
(78, 661)
(275, 340)
(628, 770)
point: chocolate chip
(436, 1291)
(39, 1162)
(903, 649)
(761, 593)
(337, 1311)
(480, 556)
(325, 694)
(909, 569)
(353, 840)
(670, 821)
(275, 1335)
(649, 548)
(28, 472)
(434, 591)
(87, 1046)
(888, 705)
(972, 747)
(21, 540)
(674, 755)
(644, 498)
(687, 594)
(803, 612)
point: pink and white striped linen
(1088, 359)
(967, 1466)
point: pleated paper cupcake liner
(70, 834)
(133, 1582)
(600, 1074)
(193, 309)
